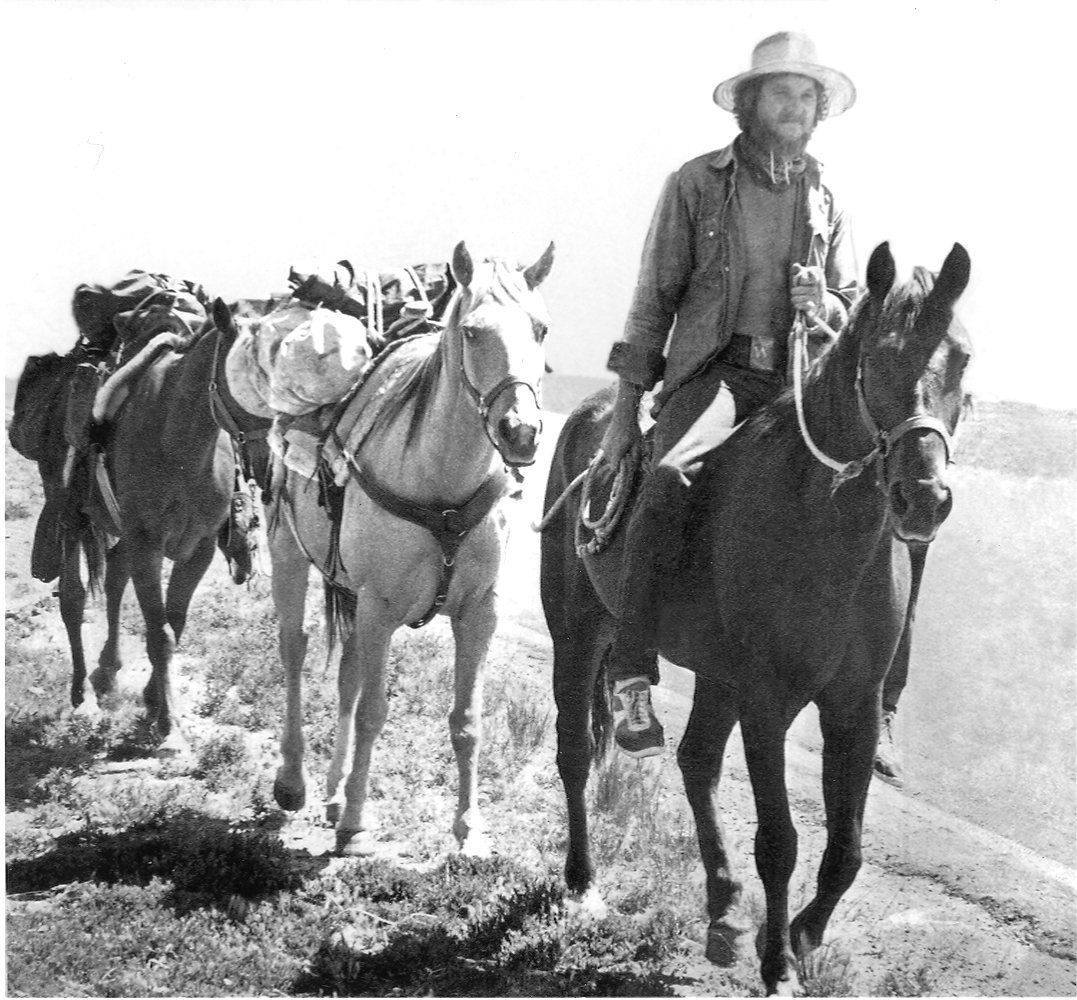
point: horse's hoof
(588, 905)
(803, 942)
(87, 709)
(785, 987)
(288, 798)
(332, 812)
(103, 682)
(355, 843)
(174, 747)
(722, 943)
(476, 845)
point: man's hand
(623, 434)
(807, 288)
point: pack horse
(172, 487)
(794, 587)
(406, 524)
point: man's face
(786, 109)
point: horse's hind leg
(117, 575)
(72, 609)
(714, 713)
(583, 729)
(775, 842)
(472, 629)
(850, 728)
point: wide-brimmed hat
(791, 52)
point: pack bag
(40, 400)
(395, 303)
(296, 359)
(102, 312)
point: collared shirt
(687, 298)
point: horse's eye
(468, 331)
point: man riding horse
(742, 240)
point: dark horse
(172, 470)
(794, 587)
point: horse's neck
(445, 457)
(185, 391)
(454, 445)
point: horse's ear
(881, 272)
(462, 267)
(222, 315)
(954, 276)
(535, 275)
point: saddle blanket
(333, 433)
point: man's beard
(764, 138)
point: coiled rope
(605, 524)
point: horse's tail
(340, 608)
(601, 712)
(95, 548)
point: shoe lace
(636, 707)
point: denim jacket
(693, 269)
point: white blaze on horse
(406, 523)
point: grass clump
(104, 940)
(484, 928)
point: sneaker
(887, 756)
(636, 728)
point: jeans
(693, 421)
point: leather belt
(739, 353)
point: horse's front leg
(849, 721)
(362, 711)
(289, 588)
(700, 754)
(146, 564)
(117, 576)
(473, 627)
(775, 843)
(186, 575)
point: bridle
(484, 402)
(883, 440)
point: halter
(884, 440)
(484, 403)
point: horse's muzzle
(918, 507)
(518, 438)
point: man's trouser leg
(694, 421)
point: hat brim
(841, 94)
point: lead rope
(843, 471)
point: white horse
(420, 473)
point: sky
(225, 140)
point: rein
(884, 440)
(224, 419)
